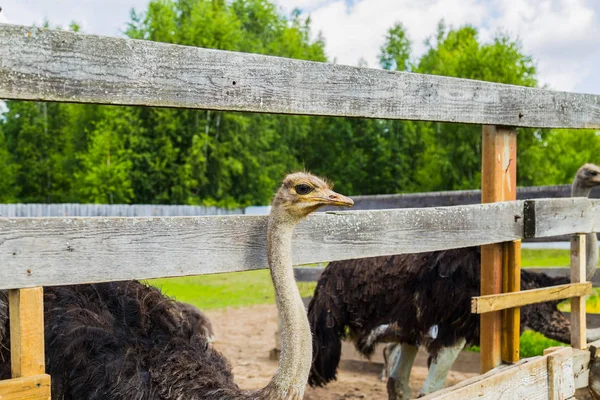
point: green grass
(532, 344)
(242, 289)
(237, 289)
(544, 258)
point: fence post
(26, 332)
(578, 274)
(498, 183)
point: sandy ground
(246, 335)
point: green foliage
(395, 52)
(8, 173)
(105, 174)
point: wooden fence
(45, 65)
(109, 210)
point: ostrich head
(302, 193)
(587, 177)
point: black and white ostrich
(127, 341)
(417, 300)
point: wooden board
(503, 301)
(498, 183)
(561, 218)
(26, 332)
(40, 64)
(511, 318)
(60, 251)
(27, 388)
(537, 378)
(578, 274)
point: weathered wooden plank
(40, 64)
(55, 251)
(511, 318)
(561, 383)
(578, 274)
(26, 388)
(26, 308)
(498, 183)
(503, 301)
(565, 216)
(58, 251)
(527, 379)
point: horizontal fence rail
(454, 197)
(109, 210)
(46, 65)
(59, 251)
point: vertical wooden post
(578, 274)
(498, 183)
(511, 318)
(26, 307)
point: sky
(563, 36)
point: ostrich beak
(330, 198)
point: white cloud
(105, 17)
(358, 31)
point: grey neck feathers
(296, 339)
(591, 239)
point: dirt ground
(246, 335)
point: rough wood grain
(26, 331)
(566, 216)
(59, 251)
(578, 274)
(503, 301)
(561, 383)
(27, 388)
(527, 379)
(40, 64)
(498, 183)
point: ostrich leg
(399, 374)
(439, 368)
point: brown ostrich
(420, 300)
(128, 341)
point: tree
(105, 175)
(8, 173)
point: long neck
(591, 239)
(296, 339)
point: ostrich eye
(303, 189)
(593, 173)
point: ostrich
(199, 323)
(126, 340)
(420, 299)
